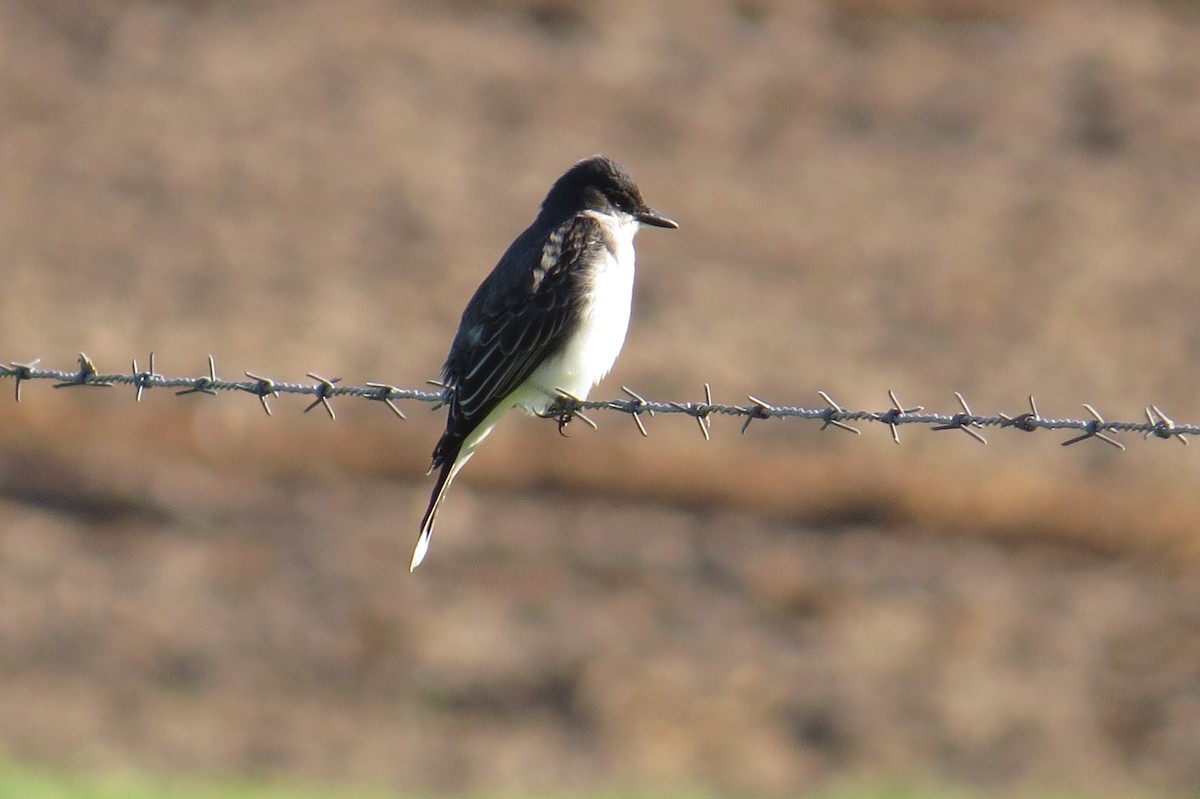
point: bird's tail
(450, 457)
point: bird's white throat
(593, 349)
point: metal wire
(832, 414)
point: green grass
(21, 782)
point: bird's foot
(564, 410)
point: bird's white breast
(591, 352)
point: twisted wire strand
(323, 390)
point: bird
(549, 320)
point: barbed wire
(568, 407)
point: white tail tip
(421, 550)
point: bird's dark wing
(523, 313)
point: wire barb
(698, 410)
(1156, 423)
(324, 390)
(1164, 426)
(203, 385)
(20, 371)
(143, 380)
(758, 410)
(891, 417)
(635, 407)
(834, 410)
(262, 388)
(384, 394)
(1095, 429)
(444, 394)
(965, 421)
(1027, 421)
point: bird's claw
(564, 410)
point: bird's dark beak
(648, 216)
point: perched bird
(549, 320)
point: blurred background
(990, 196)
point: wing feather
(522, 314)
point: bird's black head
(601, 184)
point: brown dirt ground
(993, 197)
